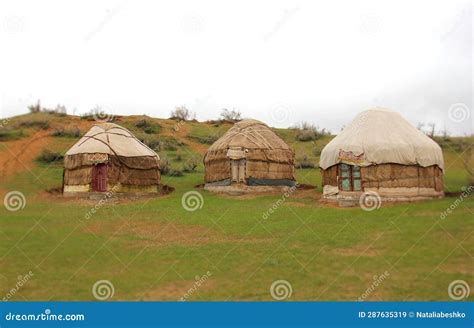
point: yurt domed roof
(110, 138)
(378, 136)
(249, 134)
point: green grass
(154, 248)
(6, 135)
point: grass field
(154, 249)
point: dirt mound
(19, 154)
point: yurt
(249, 156)
(381, 152)
(110, 158)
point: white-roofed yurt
(380, 151)
(110, 158)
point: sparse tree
(181, 113)
(231, 115)
(431, 130)
(36, 108)
(60, 109)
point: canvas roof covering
(249, 134)
(378, 136)
(110, 138)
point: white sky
(282, 62)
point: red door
(99, 177)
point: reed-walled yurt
(379, 151)
(249, 156)
(110, 158)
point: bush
(67, 133)
(160, 143)
(304, 163)
(165, 166)
(308, 132)
(40, 124)
(231, 115)
(147, 126)
(191, 165)
(88, 116)
(48, 156)
(317, 151)
(6, 135)
(181, 113)
(60, 110)
(36, 108)
(207, 140)
(175, 173)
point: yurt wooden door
(99, 177)
(238, 170)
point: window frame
(350, 177)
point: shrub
(181, 113)
(40, 124)
(308, 132)
(67, 133)
(47, 156)
(88, 116)
(36, 108)
(160, 143)
(147, 126)
(165, 166)
(231, 115)
(191, 165)
(175, 173)
(60, 110)
(207, 140)
(304, 163)
(6, 135)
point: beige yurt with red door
(110, 158)
(380, 151)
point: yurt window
(349, 177)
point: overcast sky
(281, 62)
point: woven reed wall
(393, 176)
(126, 170)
